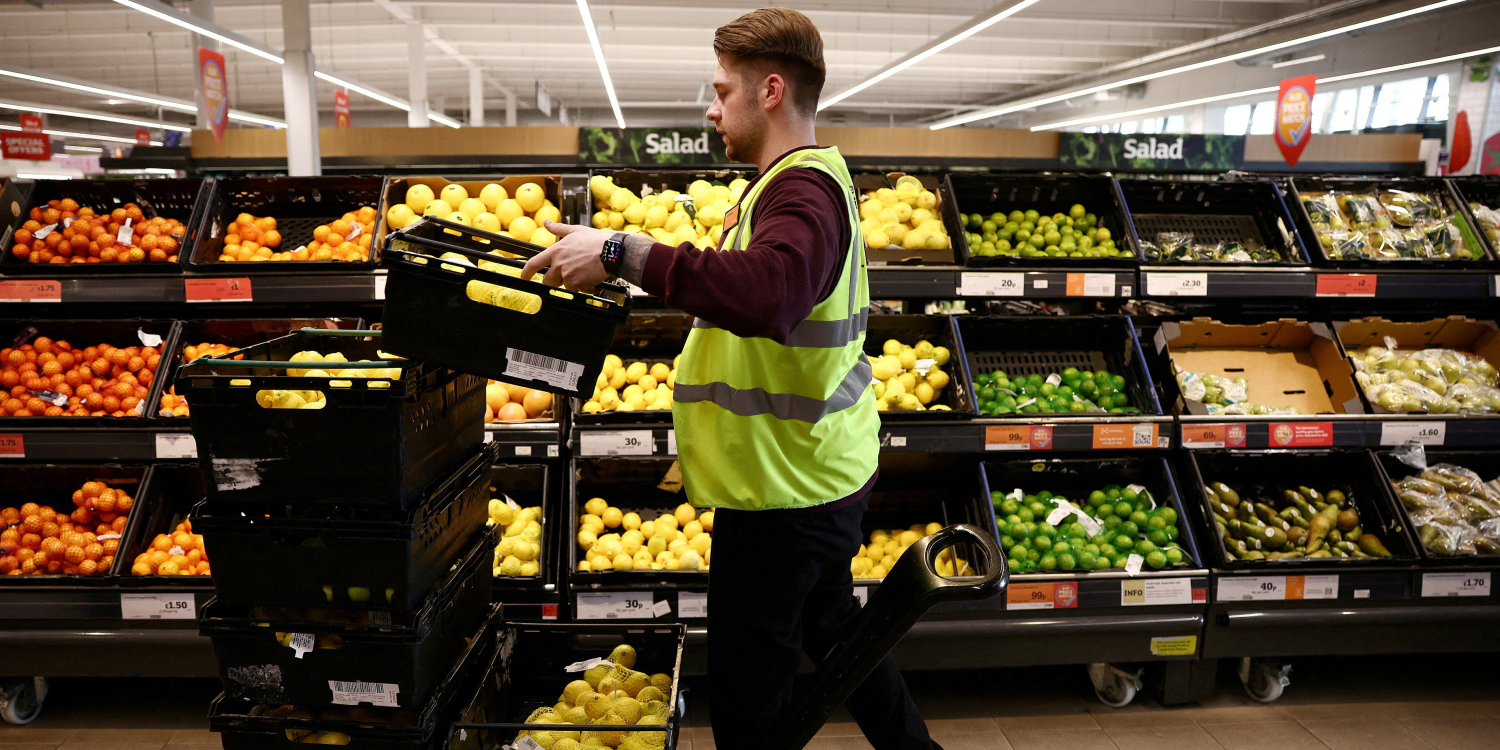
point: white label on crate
(1176, 284)
(1098, 285)
(1401, 433)
(1361, 593)
(373, 693)
(692, 604)
(585, 665)
(862, 593)
(526, 743)
(671, 442)
(176, 445)
(157, 607)
(1316, 587)
(559, 373)
(523, 450)
(380, 286)
(1456, 584)
(1040, 283)
(1054, 380)
(1147, 592)
(147, 339)
(1258, 588)
(302, 643)
(989, 284)
(616, 443)
(126, 234)
(661, 608)
(615, 605)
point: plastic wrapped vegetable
(1440, 381)
(1447, 242)
(1223, 395)
(1323, 209)
(1394, 243)
(1453, 510)
(1345, 245)
(1410, 209)
(1175, 245)
(1364, 211)
(1489, 220)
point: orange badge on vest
(731, 218)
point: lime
(1014, 565)
(983, 379)
(1025, 514)
(1174, 556)
(1169, 515)
(1033, 554)
(1066, 561)
(1007, 542)
(1086, 560)
(1091, 548)
(1124, 542)
(1107, 550)
(1037, 509)
(1156, 560)
(1130, 528)
(1076, 530)
(1104, 511)
(1097, 498)
(1104, 401)
(1046, 529)
(1124, 509)
(1171, 532)
(1009, 506)
(1032, 215)
(1061, 547)
(1139, 518)
(1029, 499)
(1041, 541)
(999, 375)
(1078, 407)
(986, 393)
(1119, 381)
(989, 407)
(1118, 561)
(1159, 538)
(1155, 522)
(1111, 523)
(1144, 547)
(1048, 562)
(1129, 494)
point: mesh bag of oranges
(64, 232)
(250, 238)
(48, 378)
(180, 553)
(39, 540)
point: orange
(511, 412)
(168, 569)
(162, 543)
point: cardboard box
(1466, 335)
(396, 187)
(1287, 362)
(867, 182)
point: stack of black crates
(352, 561)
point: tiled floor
(1372, 703)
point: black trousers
(780, 585)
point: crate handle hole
(453, 268)
(1294, 393)
(561, 293)
(269, 400)
(1234, 369)
(237, 381)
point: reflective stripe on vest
(750, 402)
(819, 334)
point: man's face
(736, 112)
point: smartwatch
(613, 253)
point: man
(775, 418)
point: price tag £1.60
(158, 607)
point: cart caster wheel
(21, 702)
(1113, 686)
(1264, 681)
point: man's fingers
(559, 229)
(537, 263)
(554, 276)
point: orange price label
(217, 290)
(13, 445)
(1117, 436)
(1029, 596)
(1346, 285)
(1091, 285)
(26, 290)
(1007, 438)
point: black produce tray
(299, 205)
(1353, 473)
(644, 337)
(1214, 212)
(53, 486)
(529, 485)
(528, 674)
(393, 438)
(1481, 189)
(1457, 210)
(940, 330)
(1044, 344)
(629, 484)
(174, 489)
(1482, 462)
(1075, 478)
(81, 334)
(284, 555)
(394, 192)
(1050, 193)
(403, 729)
(429, 316)
(180, 199)
(410, 653)
(927, 488)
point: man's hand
(574, 258)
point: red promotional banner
(340, 109)
(213, 77)
(142, 137)
(30, 143)
(1294, 116)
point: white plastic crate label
(41, 234)
(489, 437)
(1149, 592)
(616, 605)
(559, 373)
(692, 604)
(862, 593)
(552, 451)
(1401, 433)
(1456, 584)
(380, 286)
(373, 693)
(176, 445)
(1177, 284)
(126, 234)
(661, 608)
(616, 443)
(989, 284)
(302, 643)
(158, 607)
(671, 442)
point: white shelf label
(661, 608)
(627, 605)
(523, 450)
(1147, 592)
(616, 443)
(380, 286)
(671, 442)
(158, 607)
(1176, 284)
(559, 373)
(862, 593)
(176, 445)
(1401, 433)
(1456, 584)
(552, 451)
(1260, 588)
(990, 284)
(373, 693)
(1098, 285)
(692, 604)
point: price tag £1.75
(158, 607)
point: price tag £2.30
(158, 607)
(1160, 284)
(616, 605)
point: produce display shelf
(527, 440)
(1044, 283)
(93, 631)
(55, 442)
(1336, 431)
(179, 288)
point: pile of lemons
(520, 544)
(304, 399)
(668, 216)
(638, 386)
(680, 540)
(611, 694)
(904, 216)
(908, 378)
(523, 217)
(876, 559)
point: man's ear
(773, 91)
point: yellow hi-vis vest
(763, 425)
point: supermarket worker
(776, 422)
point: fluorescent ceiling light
(178, 18)
(1267, 90)
(43, 176)
(85, 149)
(87, 115)
(443, 119)
(923, 54)
(609, 86)
(1007, 109)
(379, 97)
(84, 136)
(1298, 61)
(119, 96)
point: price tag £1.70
(158, 607)
(1456, 584)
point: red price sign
(42, 290)
(12, 446)
(217, 290)
(1346, 285)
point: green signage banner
(651, 146)
(1162, 151)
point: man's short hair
(777, 40)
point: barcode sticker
(302, 643)
(373, 693)
(526, 743)
(1142, 436)
(558, 373)
(692, 604)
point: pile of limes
(1028, 234)
(1070, 391)
(1127, 520)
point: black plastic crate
(867, 182)
(1485, 463)
(81, 334)
(1443, 190)
(1484, 190)
(656, 181)
(403, 435)
(1214, 212)
(299, 205)
(1353, 473)
(650, 337)
(179, 199)
(1076, 478)
(310, 556)
(528, 485)
(558, 347)
(939, 330)
(985, 194)
(242, 726)
(174, 490)
(1045, 344)
(52, 486)
(410, 653)
(529, 673)
(630, 484)
(926, 488)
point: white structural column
(416, 68)
(300, 91)
(203, 9)
(476, 98)
(510, 110)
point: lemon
(924, 393)
(616, 220)
(926, 199)
(418, 196)
(891, 347)
(620, 199)
(596, 506)
(656, 216)
(937, 378)
(876, 239)
(921, 216)
(870, 209)
(472, 208)
(889, 215)
(895, 230)
(635, 213)
(903, 212)
(459, 217)
(546, 213)
(399, 216)
(491, 195)
(543, 237)
(915, 240)
(940, 353)
(437, 208)
(602, 187)
(684, 513)
(508, 211)
(488, 222)
(907, 358)
(937, 241)
(886, 196)
(523, 227)
(454, 194)
(530, 196)
(600, 220)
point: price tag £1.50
(158, 607)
